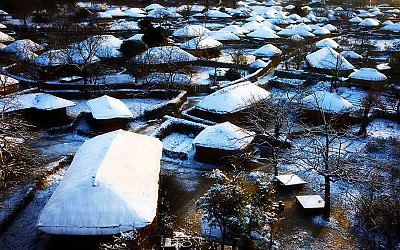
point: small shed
(204, 46)
(328, 61)
(325, 104)
(290, 180)
(229, 103)
(40, 108)
(109, 113)
(311, 202)
(267, 51)
(110, 187)
(368, 78)
(222, 140)
(8, 85)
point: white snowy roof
(106, 107)
(191, 31)
(369, 22)
(321, 31)
(330, 27)
(7, 80)
(136, 37)
(233, 98)
(164, 55)
(290, 180)
(122, 24)
(268, 50)
(368, 74)
(203, 42)
(63, 57)
(224, 136)
(110, 187)
(258, 64)
(263, 32)
(22, 45)
(103, 15)
(116, 12)
(351, 54)
(311, 201)
(5, 38)
(104, 46)
(40, 101)
(135, 12)
(223, 36)
(153, 7)
(252, 25)
(256, 17)
(216, 14)
(290, 31)
(392, 27)
(235, 29)
(327, 42)
(327, 102)
(327, 58)
(356, 20)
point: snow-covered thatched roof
(368, 74)
(328, 58)
(153, 6)
(64, 57)
(135, 12)
(191, 31)
(392, 27)
(39, 101)
(268, 50)
(327, 102)
(235, 29)
(356, 20)
(164, 55)
(103, 46)
(223, 36)
(5, 38)
(258, 64)
(106, 107)
(22, 45)
(252, 25)
(116, 12)
(111, 186)
(216, 14)
(203, 42)
(225, 136)
(321, 31)
(233, 98)
(350, 54)
(327, 42)
(264, 33)
(369, 22)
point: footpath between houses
(15, 202)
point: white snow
(327, 42)
(290, 180)
(203, 42)
(327, 102)
(224, 136)
(40, 101)
(110, 187)
(233, 98)
(327, 58)
(268, 50)
(164, 55)
(194, 30)
(311, 201)
(368, 74)
(107, 107)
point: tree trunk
(327, 208)
(364, 121)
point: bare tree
(373, 99)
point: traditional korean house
(109, 113)
(217, 142)
(230, 103)
(368, 78)
(110, 187)
(204, 46)
(40, 108)
(325, 105)
(328, 61)
(8, 85)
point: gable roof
(233, 98)
(106, 107)
(111, 186)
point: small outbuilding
(40, 108)
(110, 187)
(8, 85)
(328, 61)
(230, 103)
(368, 78)
(109, 113)
(323, 105)
(220, 141)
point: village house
(368, 78)
(110, 187)
(109, 113)
(216, 143)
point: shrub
(233, 74)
